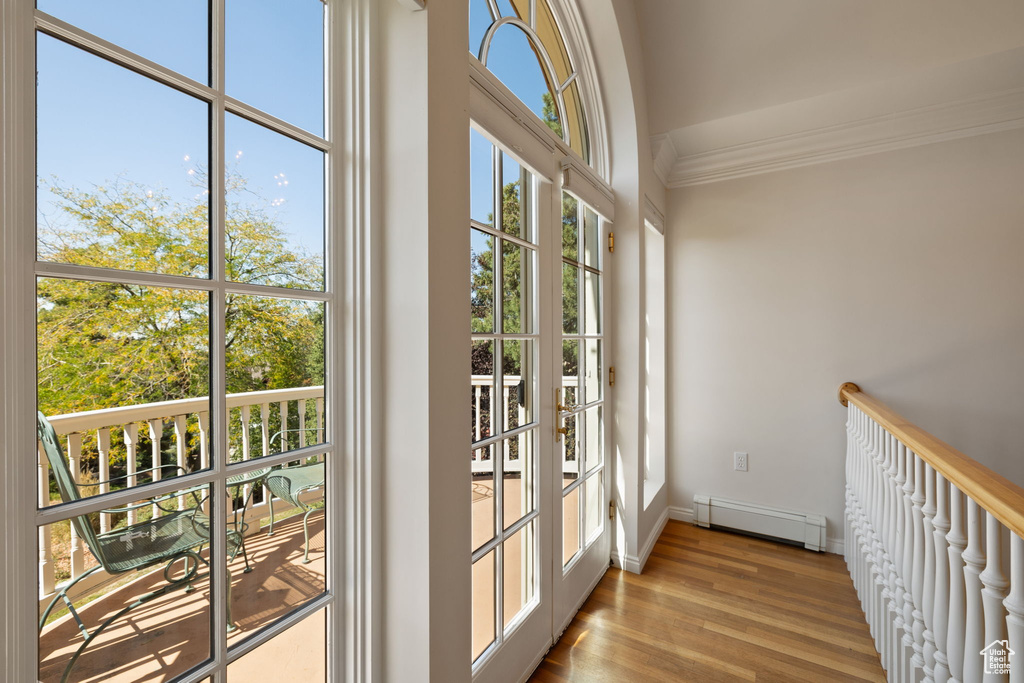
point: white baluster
(995, 586)
(302, 423)
(156, 433)
(917, 582)
(283, 411)
(884, 509)
(897, 670)
(244, 413)
(131, 444)
(928, 590)
(940, 615)
(265, 440)
(1014, 604)
(974, 562)
(907, 649)
(181, 446)
(75, 462)
(957, 624)
(103, 446)
(321, 435)
(476, 412)
(893, 620)
(47, 577)
(204, 440)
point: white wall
(900, 272)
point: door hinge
(611, 510)
(611, 376)
(611, 242)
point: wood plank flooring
(715, 606)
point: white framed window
(173, 251)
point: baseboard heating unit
(760, 520)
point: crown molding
(978, 115)
(947, 102)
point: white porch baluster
(957, 624)
(974, 562)
(995, 585)
(75, 461)
(156, 433)
(1015, 609)
(283, 411)
(321, 435)
(103, 446)
(131, 444)
(204, 440)
(181, 447)
(302, 423)
(47, 579)
(268, 497)
(940, 615)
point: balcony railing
(74, 427)
(125, 422)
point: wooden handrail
(998, 495)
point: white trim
(654, 216)
(635, 563)
(413, 5)
(680, 514)
(836, 546)
(979, 114)
(664, 153)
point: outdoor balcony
(171, 633)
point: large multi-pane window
(185, 279)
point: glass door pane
(505, 377)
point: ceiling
(708, 59)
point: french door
(539, 486)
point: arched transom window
(520, 42)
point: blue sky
(513, 61)
(98, 122)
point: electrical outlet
(739, 462)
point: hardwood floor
(715, 606)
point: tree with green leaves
(103, 345)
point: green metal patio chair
(288, 484)
(177, 535)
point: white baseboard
(680, 514)
(835, 546)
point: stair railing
(935, 546)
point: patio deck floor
(171, 634)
